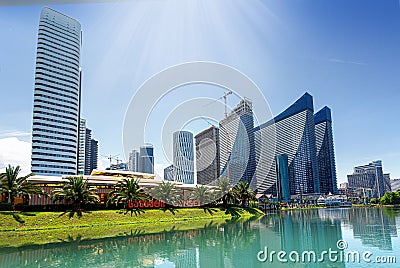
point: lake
(347, 237)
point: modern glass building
(325, 151)
(183, 157)
(207, 155)
(133, 163)
(94, 154)
(56, 106)
(282, 171)
(88, 150)
(295, 138)
(237, 147)
(169, 173)
(369, 176)
(82, 146)
(146, 159)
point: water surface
(233, 243)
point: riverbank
(38, 228)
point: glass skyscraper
(146, 159)
(325, 151)
(183, 157)
(237, 155)
(207, 155)
(56, 107)
(133, 163)
(295, 138)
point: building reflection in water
(374, 227)
(222, 244)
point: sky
(345, 53)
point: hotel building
(295, 138)
(57, 91)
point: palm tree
(77, 191)
(243, 192)
(201, 193)
(127, 191)
(225, 191)
(166, 192)
(15, 186)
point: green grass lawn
(34, 228)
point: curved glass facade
(295, 138)
(325, 151)
(56, 107)
(237, 155)
(183, 157)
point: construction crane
(226, 94)
(110, 157)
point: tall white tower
(56, 109)
(183, 157)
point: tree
(243, 192)
(15, 186)
(390, 198)
(201, 193)
(127, 191)
(77, 191)
(166, 192)
(224, 189)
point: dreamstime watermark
(340, 254)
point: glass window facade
(56, 107)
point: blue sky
(345, 53)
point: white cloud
(16, 153)
(347, 62)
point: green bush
(390, 198)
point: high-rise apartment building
(237, 147)
(295, 138)
(56, 106)
(82, 146)
(183, 157)
(146, 159)
(325, 151)
(94, 154)
(207, 155)
(88, 150)
(369, 176)
(133, 163)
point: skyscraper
(207, 155)
(325, 151)
(295, 138)
(56, 106)
(146, 159)
(237, 147)
(88, 150)
(133, 163)
(369, 176)
(94, 154)
(183, 157)
(82, 146)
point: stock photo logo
(206, 88)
